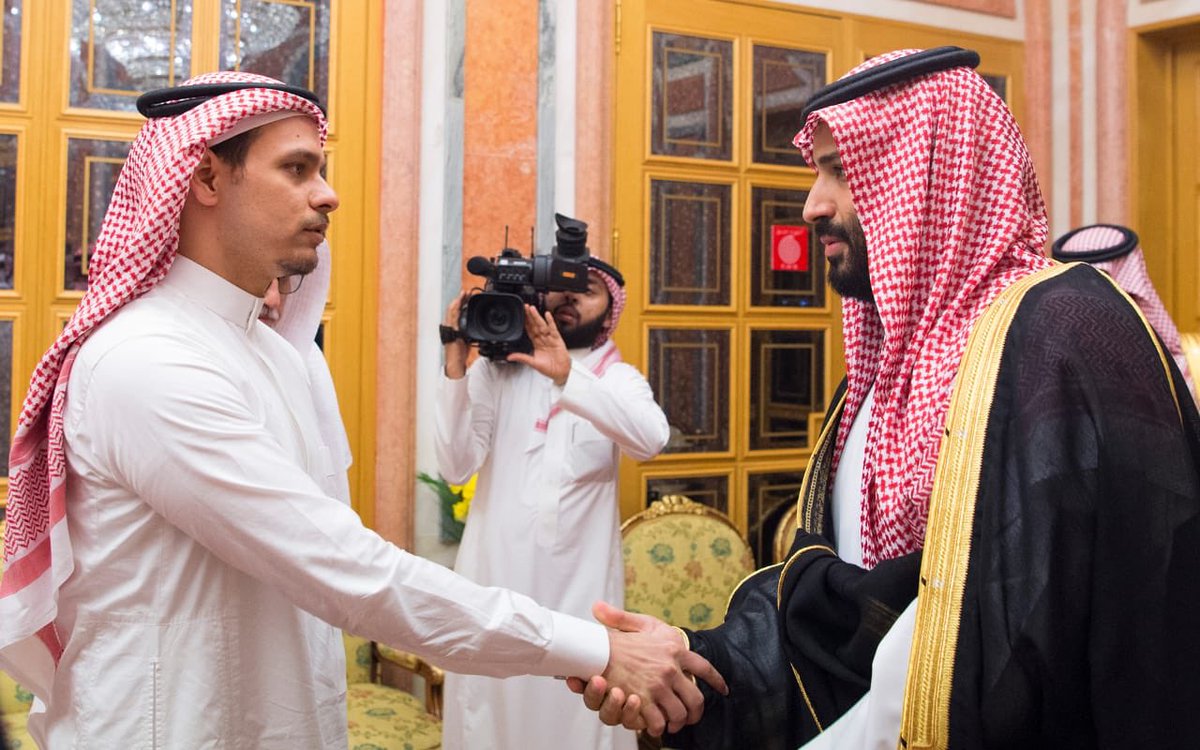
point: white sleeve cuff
(580, 383)
(578, 648)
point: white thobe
(209, 557)
(873, 723)
(544, 521)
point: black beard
(848, 275)
(299, 266)
(582, 335)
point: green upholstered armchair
(682, 562)
(388, 718)
(14, 699)
(14, 707)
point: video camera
(494, 319)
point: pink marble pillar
(1037, 125)
(396, 342)
(1075, 61)
(500, 126)
(1112, 113)
(594, 108)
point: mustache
(826, 226)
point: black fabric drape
(835, 614)
(764, 708)
(1082, 607)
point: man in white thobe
(177, 560)
(545, 433)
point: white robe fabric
(873, 723)
(213, 564)
(544, 522)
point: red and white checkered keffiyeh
(135, 249)
(616, 293)
(946, 193)
(1129, 271)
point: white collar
(194, 281)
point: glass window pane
(8, 208)
(692, 97)
(787, 268)
(689, 243)
(10, 52)
(6, 354)
(770, 495)
(787, 383)
(122, 48)
(712, 491)
(284, 39)
(92, 169)
(998, 83)
(689, 372)
(784, 79)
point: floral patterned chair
(14, 699)
(388, 718)
(682, 562)
(14, 707)
(785, 533)
(380, 717)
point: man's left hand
(549, 356)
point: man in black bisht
(999, 539)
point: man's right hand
(649, 669)
(455, 351)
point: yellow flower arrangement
(465, 492)
(455, 502)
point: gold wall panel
(93, 165)
(120, 49)
(692, 97)
(284, 39)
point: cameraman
(542, 431)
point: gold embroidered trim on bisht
(810, 508)
(925, 719)
(743, 582)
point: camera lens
(494, 317)
(497, 320)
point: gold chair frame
(785, 532)
(434, 677)
(672, 504)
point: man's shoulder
(1072, 306)
(152, 328)
(142, 318)
(1078, 327)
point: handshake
(650, 681)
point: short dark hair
(233, 151)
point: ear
(206, 178)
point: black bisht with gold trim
(1063, 548)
